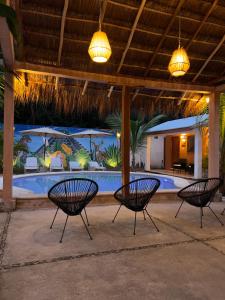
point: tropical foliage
(112, 156)
(19, 147)
(82, 157)
(138, 129)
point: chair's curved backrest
(72, 195)
(136, 194)
(201, 191)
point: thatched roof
(142, 34)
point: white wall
(157, 152)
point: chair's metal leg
(54, 217)
(215, 215)
(223, 212)
(179, 209)
(144, 215)
(201, 214)
(152, 220)
(64, 229)
(86, 227)
(135, 220)
(116, 213)
(86, 217)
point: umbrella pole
(90, 149)
(44, 148)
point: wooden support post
(214, 136)
(125, 135)
(8, 143)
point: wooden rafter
(151, 31)
(63, 21)
(163, 52)
(209, 58)
(112, 79)
(131, 34)
(102, 18)
(215, 2)
(84, 88)
(140, 10)
(176, 12)
(212, 7)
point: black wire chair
(136, 195)
(200, 194)
(72, 196)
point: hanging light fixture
(99, 48)
(179, 62)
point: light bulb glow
(99, 49)
(179, 62)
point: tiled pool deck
(182, 261)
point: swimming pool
(39, 184)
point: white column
(148, 154)
(214, 136)
(198, 154)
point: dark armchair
(72, 196)
(200, 194)
(136, 195)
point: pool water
(107, 182)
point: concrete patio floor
(182, 261)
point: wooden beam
(151, 31)
(176, 12)
(112, 79)
(135, 94)
(209, 58)
(215, 2)
(110, 91)
(8, 138)
(140, 10)
(6, 43)
(102, 18)
(84, 88)
(159, 10)
(125, 135)
(63, 21)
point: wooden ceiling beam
(121, 46)
(84, 88)
(215, 2)
(6, 42)
(153, 31)
(140, 10)
(112, 79)
(131, 34)
(102, 18)
(209, 58)
(62, 28)
(176, 12)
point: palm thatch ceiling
(142, 34)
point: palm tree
(138, 129)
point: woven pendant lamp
(99, 48)
(179, 62)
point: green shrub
(112, 156)
(82, 157)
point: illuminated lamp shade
(99, 49)
(179, 63)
